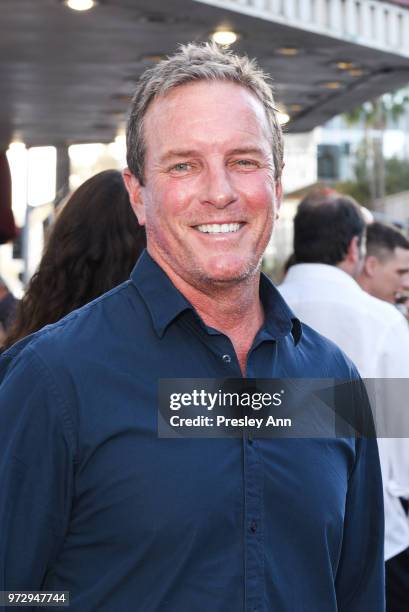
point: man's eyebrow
(193, 153)
(247, 151)
(178, 153)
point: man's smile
(219, 228)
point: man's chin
(230, 274)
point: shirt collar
(306, 272)
(279, 318)
(165, 302)
(160, 295)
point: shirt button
(226, 358)
(253, 526)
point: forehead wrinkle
(251, 115)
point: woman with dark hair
(92, 247)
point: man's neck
(234, 309)
(348, 268)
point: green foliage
(380, 112)
(396, 175)
(396, 179)
(377, 177)
(358, 190)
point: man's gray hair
(197, 62)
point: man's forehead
(204, 112)
(206, 96)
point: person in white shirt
(329, 250)
(385, 273)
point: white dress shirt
(376, 338)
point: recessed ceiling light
(282, 117)
(345, 65)
(80, 5)
(288, 51)
(122, 97)
(356, 72)
(224, 37)
(153, 57)
(332, 85)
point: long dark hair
(92, 247)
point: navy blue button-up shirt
(94, 503)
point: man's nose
(218, 188)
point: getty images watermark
(295, 408)
(200, 398)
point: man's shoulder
(384, 312)
(319, 282)
(304, 289)
(85, 330)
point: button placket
(254, 555)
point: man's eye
(181, 167)
(246, 163)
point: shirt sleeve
(360, 574)
(36, 471)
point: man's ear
(134, 189)
(354, 252)
(370, 265)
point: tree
(375, 115)
(396, 179)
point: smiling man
(208, 196)
(124, 519)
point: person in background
(8, 229)
(92, 247)
(385, 273)
(8, 304)
(322, 289)
(8, 232)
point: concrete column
(305, 11)
(366, 21)
(380, 24)
(393, 29)
(261, 5)
(276, 6)
(289, 9)
(350, 18)
(335, 16)
(404, 27)
(320, 14)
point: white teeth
(216, 228)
